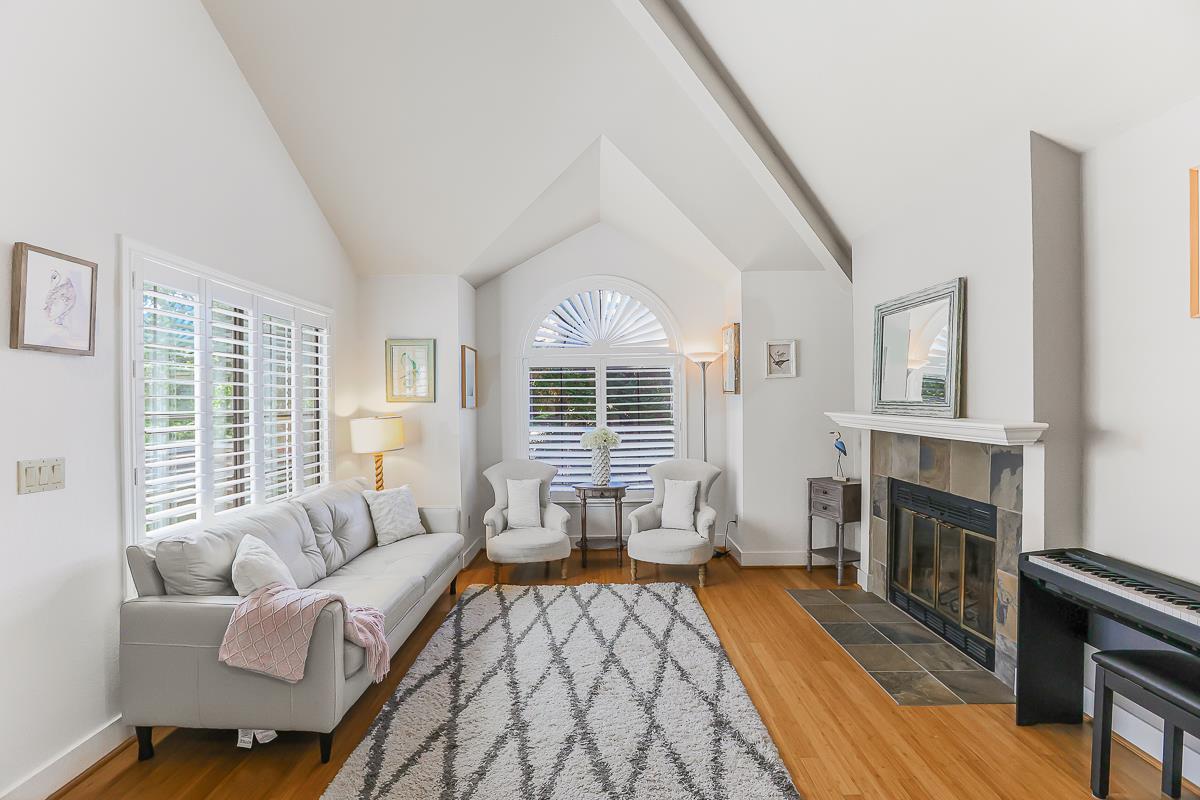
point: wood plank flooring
(839, 733)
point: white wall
(785, 433)
(439, 436)
(1142, 365)
(978, 225)
(507, 305)
(123, 117)
(1141, 376)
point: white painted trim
(472, 549)
(970, 430)
(766, 558)
(52, 775)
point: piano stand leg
(1172, 769)
(1050, 634)
(1102, 735)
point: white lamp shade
(376, 434)
(703, 358)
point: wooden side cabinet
(841, 503)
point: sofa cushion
(341, 520)
(256, 566)
(425, 556)
(353, 658)
(394, 595)
(202, 563)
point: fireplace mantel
(988, 431)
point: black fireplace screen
(943, 565)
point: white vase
(601, 466)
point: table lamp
(377, 435)
(703, 360)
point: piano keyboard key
(1131, 589)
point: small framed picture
(53, 302)
(781, 358)
(731, 348)
(470, 373)
(411, 370)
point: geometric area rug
(568, 693)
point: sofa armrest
(555, 517)
(170, 674)
(706, 522)
(645, 518)
(441, 519)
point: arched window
(603, 356)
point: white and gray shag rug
(571, 692)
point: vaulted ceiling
(463, 137)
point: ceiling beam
(675, 39)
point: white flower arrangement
(598, 438)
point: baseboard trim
(1144, 738)
(766, 558)
(86, 755)
(471, 551)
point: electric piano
(1059, 591)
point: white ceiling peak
(427, 129)
(601, 184)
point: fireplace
(942, 557)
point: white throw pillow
(525, 503)
(256, 565)
(394, 513)
(679, 504)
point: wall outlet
(41, 475)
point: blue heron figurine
(840, 446)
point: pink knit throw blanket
(271, 629)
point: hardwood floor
(839, 733)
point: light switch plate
(41, 475)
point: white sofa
(171, 632)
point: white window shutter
(314, 405)
(640, 407)
(278, 336)
(562, 407)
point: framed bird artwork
(781, 358)
(53, 302)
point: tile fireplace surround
(985, 472)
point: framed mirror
(918, 352)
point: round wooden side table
(590, 491)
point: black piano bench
(1165, 683)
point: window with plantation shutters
(278, 407)
(602, 357)
(562, 407)
(314, 405)
(172, 343)
(639, 404)
(229, 401)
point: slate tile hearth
(909, 662)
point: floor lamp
(377, 435)
(703, 360)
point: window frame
(140, 262)
(600, 359)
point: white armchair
(524, 545)
(649, 541)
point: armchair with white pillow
(524, 527)
(678, 526)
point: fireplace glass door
(978, 576)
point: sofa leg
(496, 573)
(632, 569)
(145, 743)
(454, 585)
(546, 570)
(703, 575)
(564, 569)
(326, 746)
